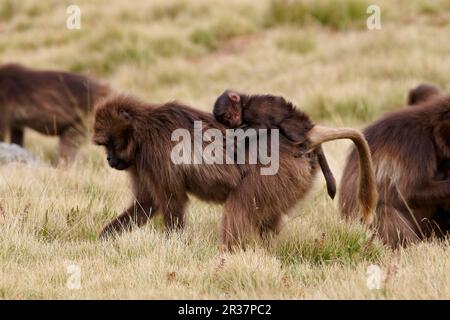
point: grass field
(319, 54)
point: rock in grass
(13, 153)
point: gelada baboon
(420, 94)
(408, 148)
(137, 138)
(235, 110)
(50, 102)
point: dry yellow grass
(326, 61)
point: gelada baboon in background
(237, 110)
(137, 138)
(408, 149)
(420, 94)
(50, 102)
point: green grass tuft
(339, 245)
(7, 10)
(343, 14)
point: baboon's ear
(234, 96)
(125, 114)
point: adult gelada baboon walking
(137, 138)
(53, 103)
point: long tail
(367, 192)
(329, 178)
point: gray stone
(13, 153)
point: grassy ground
(319, 54)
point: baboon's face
(114, 131)
(228, 109)
(114, 150)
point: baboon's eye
(119, 143)
(103, 143)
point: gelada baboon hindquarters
(407, 146)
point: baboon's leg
(3, 128)
(17, 136)
(237, 221)
(436, 225)
(441, 222)
(69, 142)
(173, 211)
(293, 129)
(271, 225)
(395, 229)
(136, 215)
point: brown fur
(420, 94)
(137, 137)
(50, 102)
(407, 148)
(235, 109)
